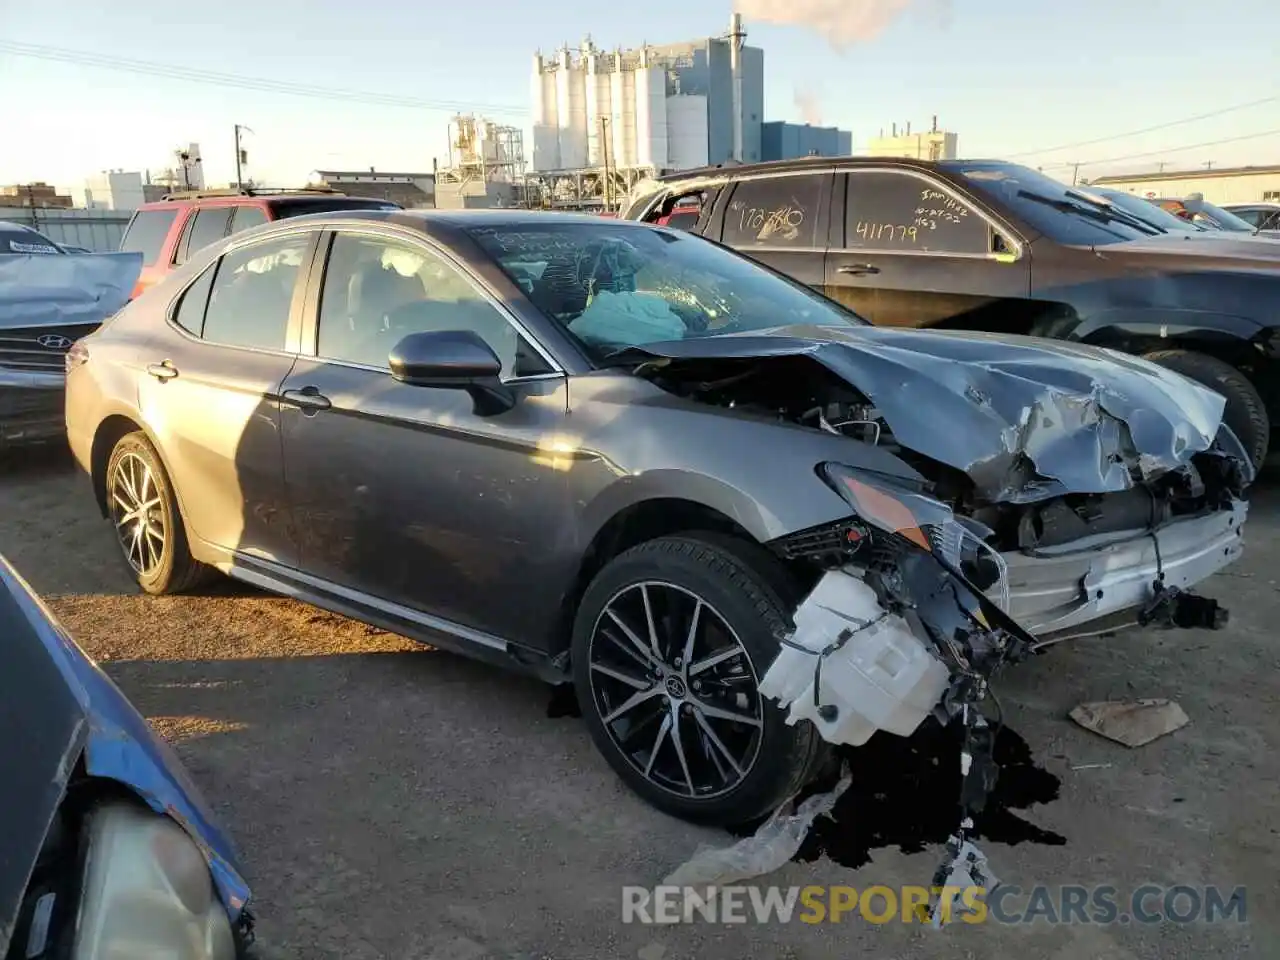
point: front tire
(1245, 412)
(148, 524)
(669, 644)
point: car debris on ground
(1134, 723)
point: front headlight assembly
(917, 519)
(147, 893)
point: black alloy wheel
(675, 689)
(670, 642)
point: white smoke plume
(843, 22)
(810, 107)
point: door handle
(858, 269)
(162, 371)
(310, 399)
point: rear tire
(148, 525)
(739, 770)
(1245, 413)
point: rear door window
(147, 233)
(247, 215)
(774, 212)
(253, 293)
(888, 210)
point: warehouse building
(1223, 185)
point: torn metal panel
(58, 708)
(47, 291)
(1026, 419)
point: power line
(1156, 153)
(173, 72)
(1138, 133)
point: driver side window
(377, 291)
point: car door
(212, 395)
(781, 220)
(911, 252)
(406, 494)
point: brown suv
(987, 245)
(168, 231)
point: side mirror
(453, 359)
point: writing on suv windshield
(613, 286)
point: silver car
(743, 522)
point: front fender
(818, 504)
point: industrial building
(486, 166)
(780, 140)
(605, 119)
(38, 194)
(1222, 185)
(658, 107)
(932, 144)
(121, 190)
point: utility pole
(241, 156)
(1075, 173)
(606, 183)
(1209, 165)
(31, 202)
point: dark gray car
(626, 455)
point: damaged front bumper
(1095, 586)
(31, 406)
(897, 628)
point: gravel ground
(393, 801)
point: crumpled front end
(47, 303)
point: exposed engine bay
(928, 590)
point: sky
(1021, 79)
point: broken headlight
(147, 892)
(891, 505)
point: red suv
(168, 231)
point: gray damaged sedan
(744, 523)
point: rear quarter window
(774, 212)
(147, 233)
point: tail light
(77, 355)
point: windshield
(616, 285)
(1223, 218)
(1048, 205)
(1144, 209)
(18, 239)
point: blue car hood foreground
(57, 707)
(1027, 419)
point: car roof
(818, 163)
(464, 219)
(229, 198)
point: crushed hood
(1027, 419)
(74, 288)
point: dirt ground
(392, 801)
